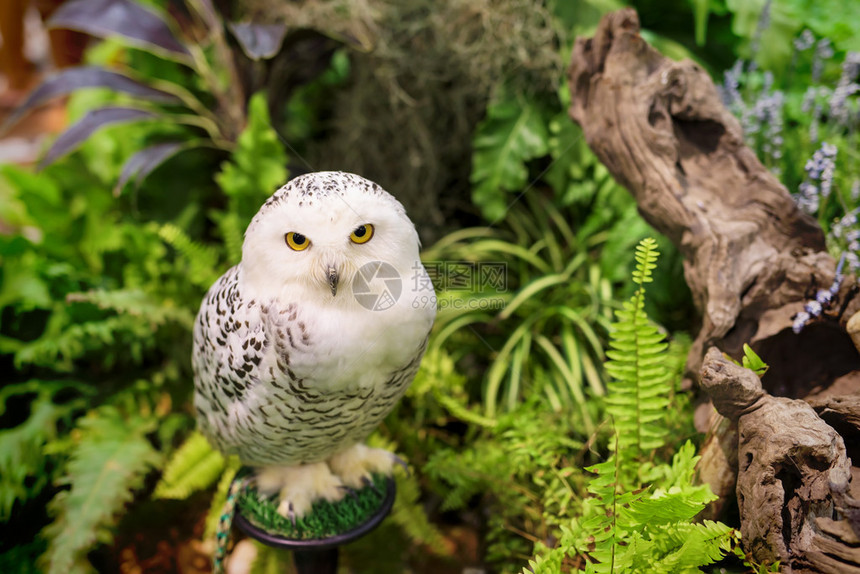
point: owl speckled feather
(293, 370)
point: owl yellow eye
(296, 241)
(362, 233)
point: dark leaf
(259, 41)
(71, 79)
(103, 18)
(144, 162)
(73, 137)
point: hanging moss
(421, 75)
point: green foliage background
(516, 429)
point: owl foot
(356, 465)
(298, 487)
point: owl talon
(291, 514)
(359, 462)
(298, 487)
(349, 491)
(368, 483)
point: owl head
(314, 234)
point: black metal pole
(316, 561)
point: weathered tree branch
(660, 127)
(793, 487)
(752, 259)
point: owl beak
(333, 277)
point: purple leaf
(71, 79)
(73, 137)
(144, 162)
(259, 41)
(103, 18)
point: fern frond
(546, 561)
(685, 547)
(678, 505)
(194, 466)
(202, 259)
(230, 229)
(136, 303)
(411, 517)
(24, 470)
(108, 462)
(646, 261)
(639, 390)
(58, 349)
(408, 511)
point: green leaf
(639, 390)
(24, 470)
(258, 166)
(109, 461)
(194, 466)
(701, 12)
(513, 133)
(201, 260)
(753, 362)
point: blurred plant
(103, 305)
(803, 121)
(767, 28)
(553, 307)
(209, 101)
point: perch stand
(318, 555)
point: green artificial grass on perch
(325, 520)
(313, 538)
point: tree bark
(752, 260)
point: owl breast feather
(276, 385)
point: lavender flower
(847, 232)
(823, 52)
(845, 88)
(853, 261)
(822, 167)
(730, 90)
(823, 299)
(768, 112)
(819, 178)
(800, 321)
(812, 105)
(807, 198)
(804, 41)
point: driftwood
(752, 259)
(794, 476)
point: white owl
(303, 347)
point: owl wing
(229, 347)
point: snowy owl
(303, 347)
